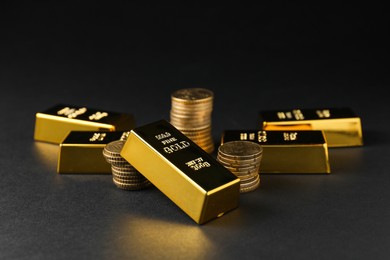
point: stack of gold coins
(243, 159)
(125, 176)
(190, 113)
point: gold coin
(126, 174)
(239, 162)
(198, 129)
(127, 186)
(113, 148)
(183, 106)
(240, 150)
(250, 181)
(136, 180)
(254, 186)
(192, 95)
(248, 177)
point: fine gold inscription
(171, 144)
(72, 112)
(97, 137)
(325, 113)
(295, 113)
(198, 164)
(290, 136)
(98, 115)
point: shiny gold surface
(300, 151)
(186, 174)
(54, 124)
(341, 126)
(81, 152)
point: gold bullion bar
(55, 123)
(341, 126)
(300, 151)
(82, 152)
(193, 179)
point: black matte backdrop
(129, 58)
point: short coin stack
(125, 176)
(190, 113)
(243, 159)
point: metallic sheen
(341, 126)
(189, 176)
(297, 151)
(81, 152)
(55, 123)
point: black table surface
(130, 59)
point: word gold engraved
(171, 144)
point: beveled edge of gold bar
(296, 166)
(317, 164)
(74, 120)
(341, 125)
(63, 127)
(72, 150)
(88, 165)
(54, 123)
(350, 132)
(214, 196)
(92, 142)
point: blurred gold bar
(341, 126)
(55, 123)
(193, 179)
(301, 151)
(81, 152)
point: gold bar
(55, 123)
(341, 126)
(193, 179)
(300, 151)
(81, 152)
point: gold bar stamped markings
(189, 176)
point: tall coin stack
(124, 175)
(243, 159)
(190, 113)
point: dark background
(129, 58)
